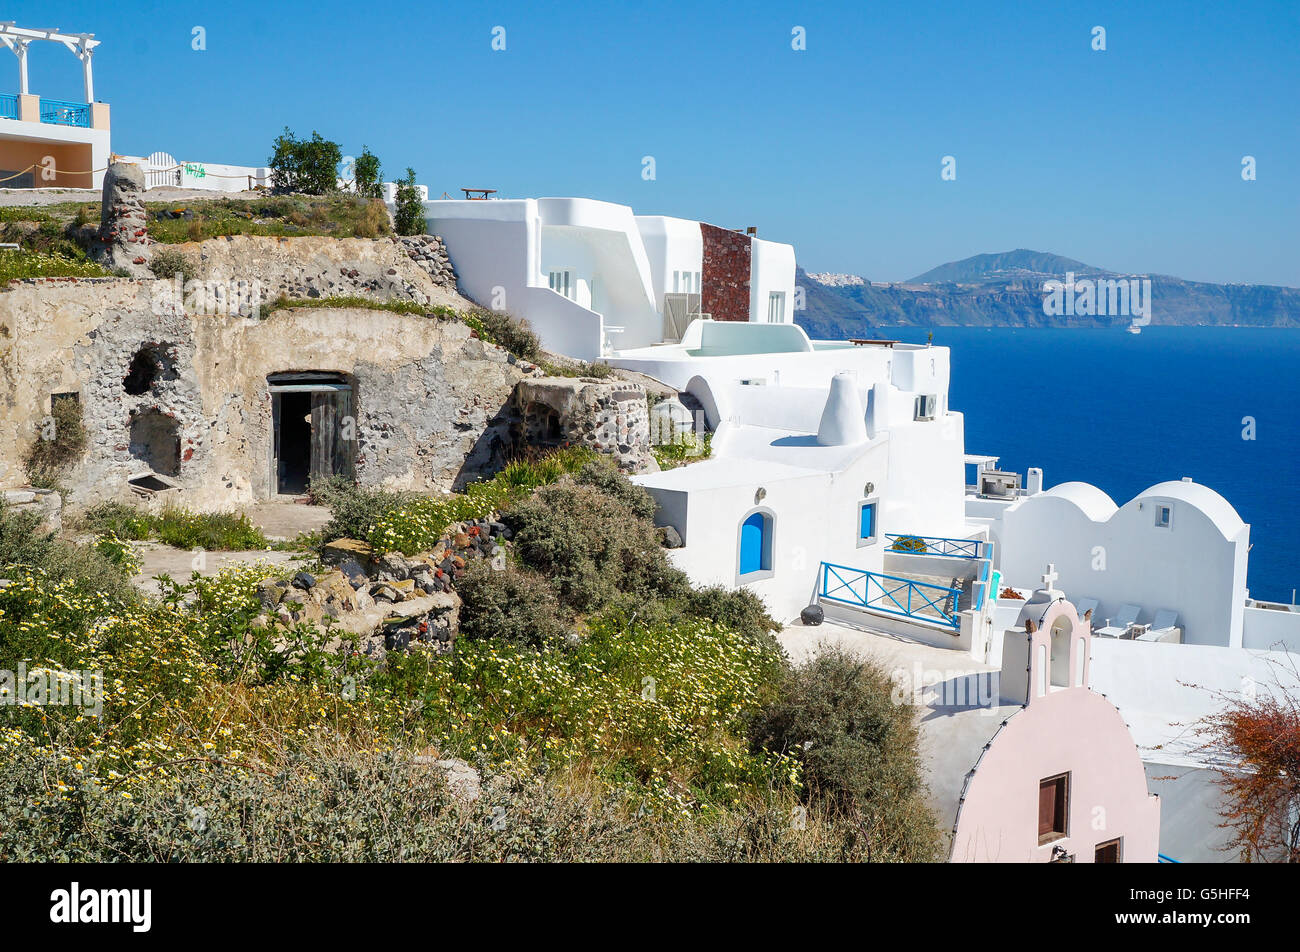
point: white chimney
(842, 422)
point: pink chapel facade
(1060, 778)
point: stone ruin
(606, 415)
(122, 242)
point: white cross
(1050, 576)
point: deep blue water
(1124, 411)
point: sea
(1125, 411)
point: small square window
(1163, 516)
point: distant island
(1007, 290)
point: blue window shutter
(752, 543)
(867, 525)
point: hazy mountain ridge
(1006, 290)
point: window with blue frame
(867, 522)
(755, 544)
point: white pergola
(81, 44)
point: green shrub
(909, 544)
(602, 475)
(309, 166)
(593, 546)
(509, 603)
(61, 439)
(582, 369)
(323, 804)
(408, 214)
(118, 519)
(23, 546)
(498, 327)
(858, 749)
(327, 803)
(684, 448)
(354, 510)
(738, 609)
(417, 523)
(657, 709)
(346, 300)
(169, 262)
(178, 527)
(213, 531)
(367, 175)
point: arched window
(1060, 640)
(755, 560)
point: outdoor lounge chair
(1126, 616)
(1164, 628)
(1085, 605)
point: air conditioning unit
(998, 484)
(927, 405)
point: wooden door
(333, 434)
(277, 467)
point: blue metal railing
(8, 107)
(61, 113)
(981, 583)
(890, 594)
(908, 544)
(1161, 857)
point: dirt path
(285, 520)
(11, 197)
(280, 521)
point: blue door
(752, 543)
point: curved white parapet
(1087, 498)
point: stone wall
(45, 503)
(725, 281)
(430, 254)
(316, 267)
(609, 416)
(432, 402)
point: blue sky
(1128, 159)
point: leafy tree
(368, 175)
(1259, 735)
(309, 166)
(409, 215)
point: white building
(836, 478)
(593, 279)
(802, 473)
(52, 143)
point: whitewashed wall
(1121, 557)
(771, 268)
(671, 244)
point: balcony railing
(61, 113)
(935, 545)
(918, 601)
(8, 107)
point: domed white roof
(1092, 502)
(1213, 506)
